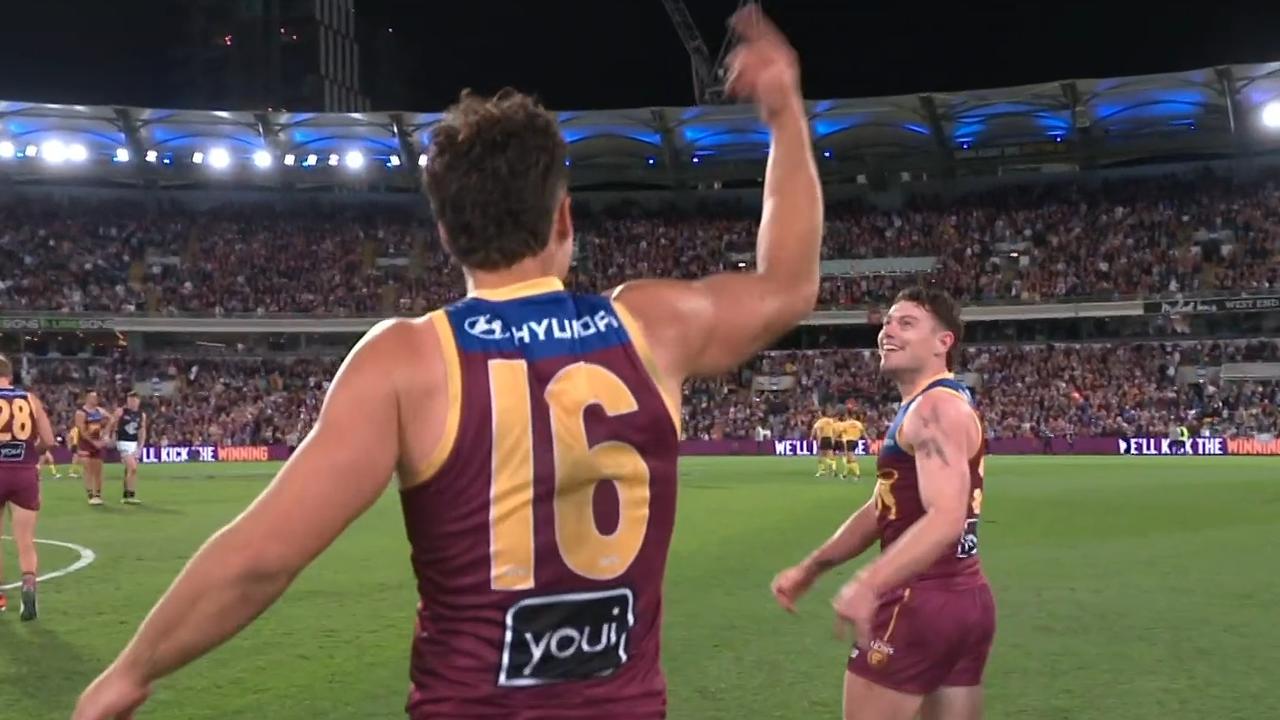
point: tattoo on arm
(928, 445)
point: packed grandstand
(1120, 303)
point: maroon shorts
(929, 637)
(89, 450)
(20, 486)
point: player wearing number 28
(24, 433)
(534, 433)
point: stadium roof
(1207, 112)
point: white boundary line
(87, 557)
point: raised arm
(710, 326)
(337, 473)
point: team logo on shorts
(880, 653)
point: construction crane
(708, 74)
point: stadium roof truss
(1211, 112)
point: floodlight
(219, 158)
(32, 151)
(197, 157)
(152, 156)
(122, 155)
(77, 153)
(1271, 114)
(312, 159)
(290, 159)
(354, 160)
(394, 161)
(334, 160)
(262, 159)
(7, 150)
(54, 152)
(422, 160)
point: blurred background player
(71, 441)
(824, 432)
(24, 429)
(851, 432)
(48, 461)
(91, 429)
(923, 612)
(130, 424)
(484, 409)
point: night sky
(625, 53)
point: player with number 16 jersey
(534, 432)
(540, 539)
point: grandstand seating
(1024, 244)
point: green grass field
(1128, 589)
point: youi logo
(485, 328)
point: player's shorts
(929, 637)
(20, 486)
(127, 447)
(826, 444)
(89, 451)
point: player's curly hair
(945, 309)
(495, 174)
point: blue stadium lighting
(1057, 138)
(354, 160)
(122, 155)
(696, 159)
(826, 154)
(393, 161)
(311, 161)
(168, 158)
(197, 157)
(422, 160)
(290, 160)
(262, 159)
(652, 161)
(7, 150)
(567, 162)
(334, 160)
(32, 151)
(152, 156)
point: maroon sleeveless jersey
(18, 436)
(540, 539)
(899, 506)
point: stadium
(1114, 243)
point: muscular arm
(44, 428)
(711, 326)
(853, 538)
(81, 430)
(942, 430)
(337, 473)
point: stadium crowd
(1026, 243)
(1023, 390)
